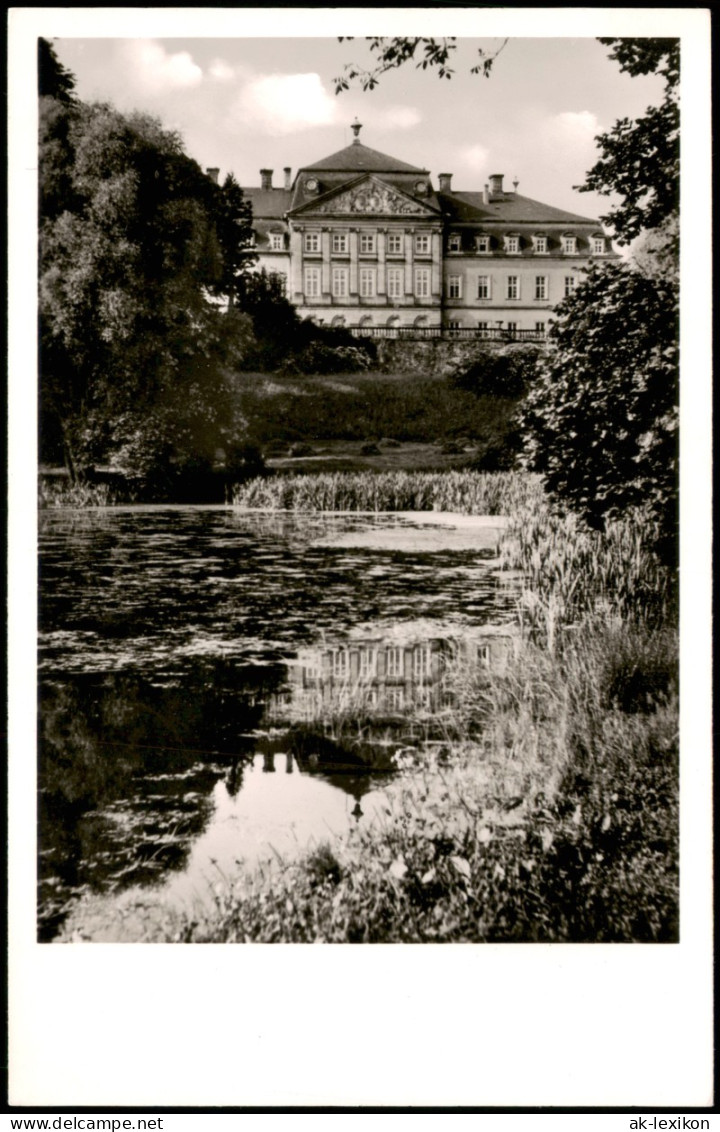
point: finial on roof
(516, 183)
(356, 128)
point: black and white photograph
(353, 511)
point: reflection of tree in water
(127, 769)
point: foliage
(498, 375)
(641, 159)
(133, 242)
(54, 80)
(657, 254)
(601, 421)
(394, 51)
(468, 493)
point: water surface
(176, 668)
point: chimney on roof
(496, 184)
(266, 178)
(486, 194)
(444, 180)
(288, 180)
(213, 174)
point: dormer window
(455, 242)
(540, 245)
(512, 245)
(482, 244)
(598, 245)
(276, 241)
(569, 245)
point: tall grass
(65, 494)
(572, 573)
(464, 492)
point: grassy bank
(550, 811)
(360, 407)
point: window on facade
(340, 282)
(570, 282)
(395, 698)
(368, 662)
(339, 243)
(454, 286)
(541, 287)
(312, 242)
(421, 662)
(367, 282)
(422, 243)
(395, 282)
(569, 245)
(454, 243)
(483, 291)
(422, 282)
(276, 241)
(394, 662)
(340, 665)
(395, 243)
(512, 329)
(280, 280)
(598, 245)
(483, 655)
(482, 243)
(367, 243)
(541, 245)
(312, 282)
(454, 324)
(483, 326)
(540, 327)
(512, 245)
(513, 287)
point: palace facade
(364, 240)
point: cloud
(154, 70)
(474, 157)
(401, 117)
(573, 126)
(283, 104)
(221, 71)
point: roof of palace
(359, 158)
(470, 207)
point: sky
(246, 103)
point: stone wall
(440, 357)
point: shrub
(601, 421)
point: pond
(189, 661)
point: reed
(464, 492)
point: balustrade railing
(464, 333)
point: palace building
(366, 241)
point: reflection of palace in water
(387, 674)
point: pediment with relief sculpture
(370, 197)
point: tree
(641, 159)
(54, 80)
(394, 51)
(134, 241)
(601, 420)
